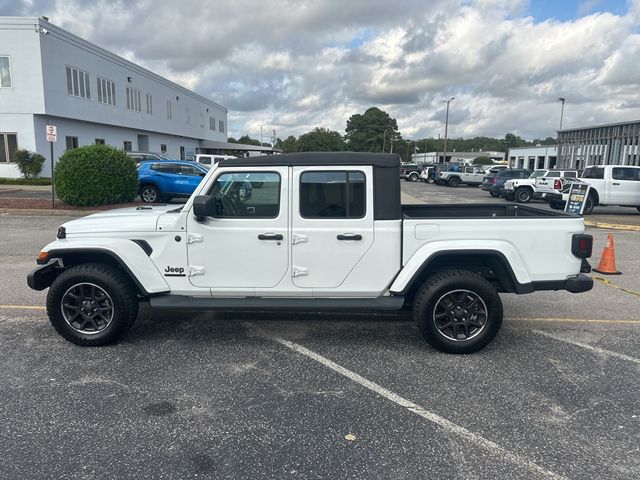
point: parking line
(442, 422)
(599, 350)
(22, 307)
(567, 320)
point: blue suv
(163, 180)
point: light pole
(446, 128)
(384, 141)
(391, 140)
(260, 135)
(561, 100)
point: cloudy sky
(293, 65)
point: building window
(169, 112)
(127, 146)
(201, 120)
(149, 104)
(5, 72)
(99, 141)
(72, 142)
(182, 153)
(106, 91)
(8, 147)
(332, 195)
(221, 126)
(212, 124)
(133, 99)
(78, 83)
(163, 148)
(188, 115)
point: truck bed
(479, 210)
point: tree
(247, 140)
(289, 144)
(366, 132)
(29, 163)
(320, 140)
(482, 161)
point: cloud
(293, 66)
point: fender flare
(503, 252)
(132, 256)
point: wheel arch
(492, 265)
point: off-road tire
(453, 182)
(435, 291)
(122, 294)
(523, 195)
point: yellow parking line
(567, 320)
(22, 307)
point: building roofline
(604, 125)
(533, 146)
(52, 29)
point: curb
(612, 226)
(47, 212)
(10, 190)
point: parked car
(465, 176)
(162, 180)
(493, 183)
(428, 174)
(493, 168)
(615, 185)
(207, 159)
(410, 172)
(145, 156)
(327, 232)
(523, 190)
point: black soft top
(306, 159)
(386, 173)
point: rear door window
(332, 194)
(622, 173)
(593, 172)
(165, 167)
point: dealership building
(534, 158)
(49, 76)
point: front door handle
(614, 183)
(349, 236)
(270, 236)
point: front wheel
(523, 195)
(92, 304)
(149, 194)
(413, 177)
(458, 311)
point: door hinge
(300, 272)
(194, 238)
(196, 271)
(298, 238)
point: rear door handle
(614, 183)
(270, 236)
(349, 236)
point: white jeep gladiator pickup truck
(467, 176)
(523, 190)
(325, 231)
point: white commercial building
(49, 76)
(532, 158)
(465, 158)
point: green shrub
(23, 181)
(96, 175)
(482, 161)
(29, 163)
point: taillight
(581, 245)
(557, 184)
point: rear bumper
(576, 284)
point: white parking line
(599, 350)
(445, 424)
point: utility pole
(446, 128)
(384, 141)
(260, 135)
(561, 100)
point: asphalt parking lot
(229, 395)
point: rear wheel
(413, 177)
(523, 195)
(458, 311)
(589, 205)
(92, 304)
(453, 182)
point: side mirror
(204, 206)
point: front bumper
(44, 275)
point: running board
(262, 303)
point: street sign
(52, 133)
(578, 194)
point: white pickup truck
(325, 231)
(523, 190)
(467, 176)
(613, 185)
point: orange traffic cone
(608, 260)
